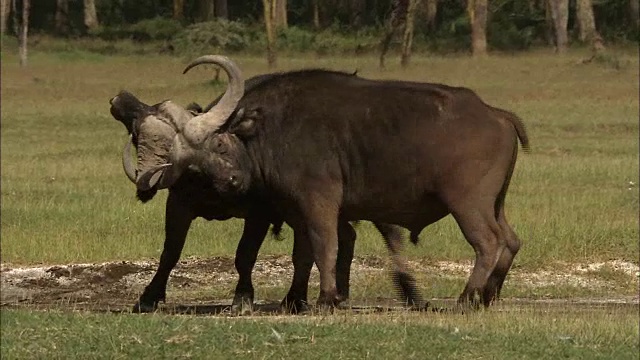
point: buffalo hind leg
(178, 218)
(485, 235)
(496, 280)
(403, 280)
(346, 245)
(302, 257)
(253, 234)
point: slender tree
(356, 9)
(23, 29)
(477, 11)
(396, 21)
(431, 10)
(560, 15)
(407, 38)
(280, 14)
(634, 11)
(178, 10)
(269, 7)
(586, 23)
(550, 33)
(90, 15)
(205, 10)
(5, 8)
(221, 9)
(316, 14)
(62, 17)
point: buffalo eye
(218, 146)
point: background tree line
(334, 25)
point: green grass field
(65, 199)
(543, 333)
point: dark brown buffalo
(152, 129)
(321, 146)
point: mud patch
(118, 284)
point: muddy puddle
(115, 286)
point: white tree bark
(586, 23)
(90, 15)
(280, 14)
(477, 10)
(634, 9)
(269, 14)
(407, 38)
(560, 15)
(24, 30)
(5, 8)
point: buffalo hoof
(323, 308)
(140, 307)
(424, 306)
(296, 306)
(242, 307)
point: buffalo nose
(233, 180)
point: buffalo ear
(194, 108)
(244, 123)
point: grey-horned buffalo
(151, 130)
(320, 146)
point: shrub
(155, 29)
(217, 36)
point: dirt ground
(115, 286)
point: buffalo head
(151, 131)
(194, 139)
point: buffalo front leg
(296, 299)
(253, 234)
(178, 218)
(321, 220)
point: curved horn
(127, 165)
(198, 128)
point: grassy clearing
(544, 333)
(65, 198)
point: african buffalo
(320, 145)
(151, 130)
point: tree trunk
(269, 6)
(397, 19)
(634, 9)
(90, 16)
(560, 16)
(221, 9)
(586, 23)
(178, 10)
(24, 30)
(477, 11)
(549, 33)
(62, 17)
(280, 14)
(407, 38)
(431, 10)
(356, 9)
(316, 14)
(5, 8)
(205, 10)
